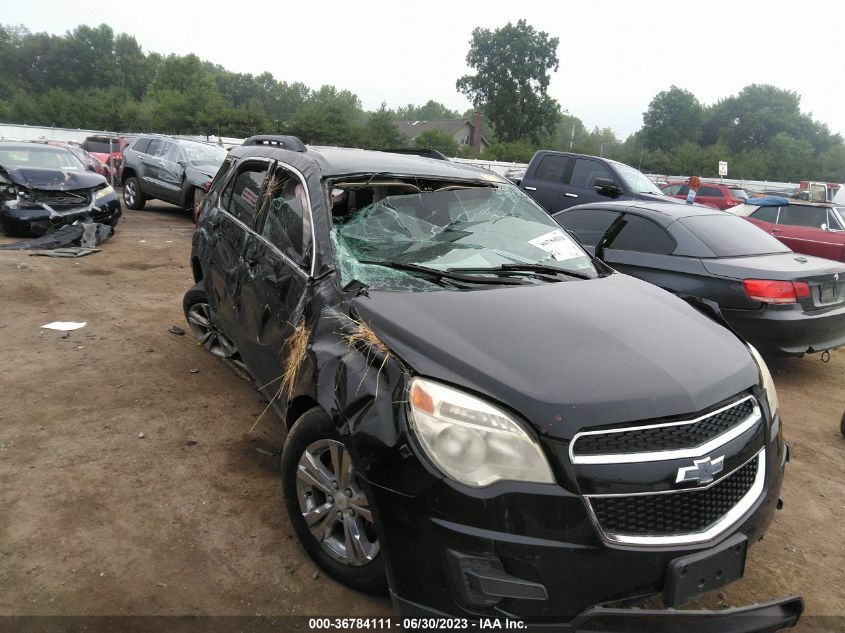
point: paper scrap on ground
(63, 326)
(558, 244)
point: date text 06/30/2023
(415, 624)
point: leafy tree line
(93, 78)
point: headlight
(471, 441)
(766, 381)
(102, 193)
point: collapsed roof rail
(284, 141)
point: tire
(198, 314)
(842, 425)
(310, 460)
(133, 197)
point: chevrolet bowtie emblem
(703, 471)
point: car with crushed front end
(173, 170)
(480, 416)
(43, 187)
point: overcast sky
(614, 55)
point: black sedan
(782, 302)
(44, 187)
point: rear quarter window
(141, 145)
(731, 236)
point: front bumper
(758, 618)
(541, 539)
(789, 330)
(36, 221)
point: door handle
(571, 195)
(531, 188)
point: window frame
(610, 175)
(261, 219)
(230, 185)
(567, 165)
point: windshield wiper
(533, 268)
(441, 274)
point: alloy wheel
(334, 505)
(199, 318)
(129, 194)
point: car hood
(53, 179)
(567, 355)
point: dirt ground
(96, 519)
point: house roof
(412, 128)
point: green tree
(382, 131)
(439, 140)
(431, 111)
(517, 152)
(673, 117)
(512, 67)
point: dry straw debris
(297, 348)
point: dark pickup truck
(559, 180)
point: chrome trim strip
(681, 453)
(287, 259)
(731, 517)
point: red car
(91, 162)
(711, 194)
(108, 149)
(813, 228)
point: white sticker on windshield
(557, 244)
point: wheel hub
(333, 504)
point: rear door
(580, 188)
(148, 169)
(545, 184)
(234, 219)
(800, 226)
(276, 269)
(171, 171)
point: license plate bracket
(691, 576)
(828, 293)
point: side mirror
(606, 187)
(824, 227)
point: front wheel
(329, 505)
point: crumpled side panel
(363, 391)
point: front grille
(664, 437)
(672, 513)
(64, 199)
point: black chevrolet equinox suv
(480, 417)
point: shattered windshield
(455, 228)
